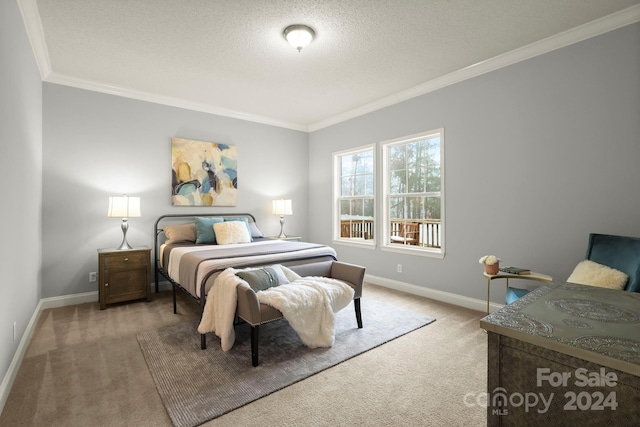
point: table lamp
(282, 207)
(124, 207)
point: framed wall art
(203, 173)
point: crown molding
(35, 33)
(33, 24)
(594, 28)
(168, 101)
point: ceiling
(230, 57)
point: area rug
(199, 385)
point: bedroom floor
(84, 367)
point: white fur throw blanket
(308, 303)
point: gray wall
(97, 145)
(538, 155)
(21, 165)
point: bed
(190, 257)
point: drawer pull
(126, 259)
(106, 284)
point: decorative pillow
(180, 233)
(243, 219)
(263, 278)
(204, 229)
(593, 274)
(254, 230)
(282, 276)
(289, 274)
(229, 232)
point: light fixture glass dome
(299, 36)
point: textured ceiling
(230, 56)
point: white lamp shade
(124, 207)
(282, 207)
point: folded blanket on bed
(308, 304)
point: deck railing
(357, 229)
(429, 231)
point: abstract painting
(203, 173)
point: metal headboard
(158, 228)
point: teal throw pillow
(204, 229)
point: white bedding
(173, 268)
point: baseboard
(45, 303)
(85, 297)
(12, 371)
(448, 297)
(163, 286)
(66, 300)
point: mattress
(191, 265)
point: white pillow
(289, 273)
(594, 274)
(229, 232)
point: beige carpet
(85, 367)
(200, 385)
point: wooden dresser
(565, 355)
(124, 275)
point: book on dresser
(515, 270)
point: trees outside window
(413, 193)
(354, 180)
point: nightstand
(288, 238)
(124, 275)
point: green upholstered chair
(619, 252)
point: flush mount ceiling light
(299, 36)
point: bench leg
(255, 335)
(356, 304)
(203, 341)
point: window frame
(337, 196)
(385, 242)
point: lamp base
(124, 245)
(282, 235)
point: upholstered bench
(255, 313)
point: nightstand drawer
(126, 258)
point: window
(413, 199)
(354, 187)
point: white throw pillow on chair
(593, 274)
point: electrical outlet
(399, 268)
(93, 277)
(14, 331)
